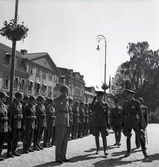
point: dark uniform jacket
(41, 115)
(15, 115)
(116, 117)
(50, 115)
(82, 115)
(3, 118)
(76, 114)
(100, 115)
(62, 117)
(133, 117)
(30, 116)
(71, 114)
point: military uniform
(41, 122)
(116, 121)
(3, 125)
(86, 120)
(61, 125)
(15, 121)
(133, 119)
(100, 122)
(70, 118)
(29, 123)
(50, 119)
(76, 120)
(82, 120)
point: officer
(50, 119)
(62, 125)
(15, 121)
(76, 120)
(29, 123)
(133, 119)
(144, 110)
(116, 120)
(3, 120)
(41, 120)
(100, 122)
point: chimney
(23, 51)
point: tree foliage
(140, 73)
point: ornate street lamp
(99, 38)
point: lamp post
(104, 86)
(13, 58)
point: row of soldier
(32, 120)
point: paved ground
(82, 154)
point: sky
(67, 31)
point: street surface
(82, 154)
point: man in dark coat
(3, 120)
(62, 125)
(133, 119)
(100, 122)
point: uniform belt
(130, 115)
(31, 117)
(18, 116)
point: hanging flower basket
(14, 31)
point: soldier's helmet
(41, 98)
(3, 94)
(18, 95)
(26, 97)
(31, 98)
(141, 100)
(64, 88)
(76, 102)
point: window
(30, 69)
(21, 86)
(16, 83)
(37, 87)
(5, 81)
(37, 72)
(30, 85)
(44, 74)
(50, 76)
(44, 88)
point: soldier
(90, 118)
(41, 120)
(86, 119)
(76, 120)
(116, 120)
(133, 119)
(50, 119)
(23, 131)
(62, 125)
(15, 121)
(144, 110)
(70, 117)
(3, 120)
(29, 123)
(100, 122)
(82, 120)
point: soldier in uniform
(70, 117)
(41, 120)
(62, 125)
(133, 119)
(29, 123)
(3, 120)
(144, 110)
(86, 120)
(100, 122)
(15, 121)
(116, 121)
(76, 120)
(50, 119)
(82, 120)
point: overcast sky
(67, 30)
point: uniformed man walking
(133, 119)
(100, 122)
(3, 120)
(62, 125)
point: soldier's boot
(116, 138)
(128, 144)
(142, 141)
(119, 138)
(105, 145)
(97, 144)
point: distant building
(75, 82)
(35, 73)
(89, 94)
